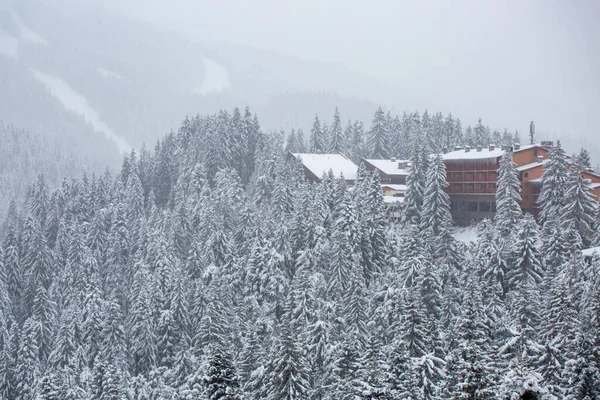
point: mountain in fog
(106, 83)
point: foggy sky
(507, 61)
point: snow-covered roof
(482, 154)
(595, 185)
(527, 147)
(393, 200)
(591, 251)
(390, 167)
(398, 188)
(531, 165)
(320, 164)
(473, 154)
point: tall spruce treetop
(582, 159)
(337, 139)
(554, 179)
(508, 195)
(316, 140)
(528, 265)
(378, 141)
(580, 207)
(415, 183)
(435, 214)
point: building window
(493, 206)
(526, 174)
(484, 206)
(472, 206)
(461, 206)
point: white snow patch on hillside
(216, 78)
(27, 34)
(79, 105)
(466, 234)
(9, 46)
(109, 74)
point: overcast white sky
(509, 61)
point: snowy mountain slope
(216, 78)
(141, 81)
(78, 104)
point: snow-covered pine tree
(580, 207)
(508, 196)
(415, 184)
(337, 139)
(554, 178)
(436, 220)
(289, 377)
(378, 140)
(316, 140)
(221, 380)
(582, 159)
(527, 265)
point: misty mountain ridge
(63, 56)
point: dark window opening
(493, 206)
(472, 206)
(484, 206)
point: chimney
(540, 159)
(517, 146)
(467, 149)
(491, 147)
(393, 159)
(478, 148)
(456, 148)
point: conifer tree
(289, 377)
(435, 217)
(316, 140)
(337, 139)
(378, 141)
(221, 381)
(554, 179)
(508, 196)
(580, 207)
(527, 265)
(415, 186)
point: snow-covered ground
(109, 74)
(216, 78)
(9, 46)
(27, 34)
(466, 234)
(79, 105)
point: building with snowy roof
(472, 174)
(390, 171)
(318, 165)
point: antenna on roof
(532, 133)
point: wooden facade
(472, 175)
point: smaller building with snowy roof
(391, 171)
(318, 165)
